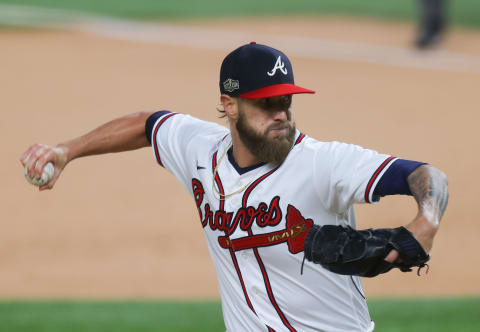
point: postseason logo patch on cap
(230, 85)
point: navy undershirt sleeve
(151, 122)
(394, 180)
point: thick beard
(263, 148)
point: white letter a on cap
(278, 65)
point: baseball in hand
(47, 175)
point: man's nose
(280, 115)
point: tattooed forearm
(430, 188)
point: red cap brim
(274, 91)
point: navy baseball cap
(257, 71)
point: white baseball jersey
(255, 237)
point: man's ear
(230, 106)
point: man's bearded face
(267, 146)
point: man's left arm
(429, 187)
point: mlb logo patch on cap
(257, 71)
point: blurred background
(117, 245)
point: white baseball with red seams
(47, 175)
(255, 237)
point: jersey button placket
(247, 261)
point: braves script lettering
(264, 215)
(294, 233)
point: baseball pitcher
(276, 205)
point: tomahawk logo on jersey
(255, 237)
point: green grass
(464, 12)
(390, 315)
(427, 315)
(96, 316)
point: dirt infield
(119, 226)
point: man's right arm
(122, 134)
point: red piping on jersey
(159, 124)
(232, 254)
(299, 139)
(374, 177)
(259, 260)
(253, 185)
(269, 290)
(218, 181)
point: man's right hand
(38, 155)
(122, 134)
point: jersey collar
(241, 170)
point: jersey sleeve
(346, 174)
(395, 179)
(177, 140)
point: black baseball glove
(345, 250)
